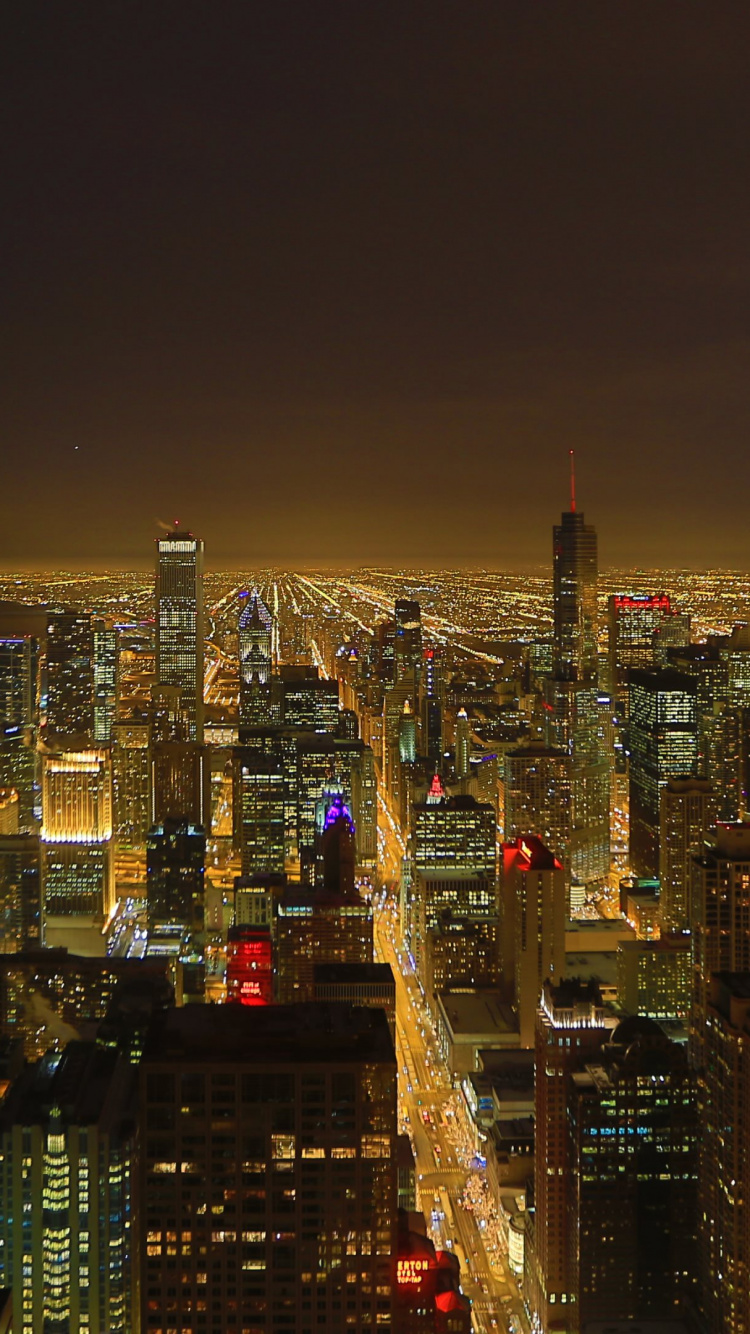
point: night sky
(347, 281)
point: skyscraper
(462, 746)
(259, 809)
(179, 622)
(106, 677)
(407, 643)
(663, 745)
(77, 870)
(687, 817)
(724, 1174)
(69, 674)
(270, 1134)
(533, 908)
(66, 1155)
(537, 783)
(255, 640)
(571, 696)
(131, 783)
(634, 618)
(175, 874)
(720, 919)
(432, 706)
(632, 1179)
(575, 574)
(570, 1026)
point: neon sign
(411, 1272)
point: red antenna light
(572, 482)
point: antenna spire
(572, 482)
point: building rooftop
(316, 1032)
(353, 973)
(475, 1014)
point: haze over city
(375, 668)
(366, 274)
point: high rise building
(724, 1174)
(533, 908)
(249, 965)
(631, 1180)
(256, 640)
(179, 622)
(77, 870)
(131, 783)
(686, 820)
(719, 919)
(175, 888)
(66, 1156)
(315, 926)
(572, 724)
(570, 1028)
(270, 1134)
(455, 834)
(663, 744)
(19, 666)
(407, 641)
(537, 789)
(106, 667)
(69, 674)
(571, 696)
(259, 805)
(463, 745)
(20, 892)
(432, 706)
(655, 977)
(575, 574)
(180, 782)
(633, 620)
(309, 701)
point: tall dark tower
(575, 573)
(572, 701)
(407, 644)
(179, 622)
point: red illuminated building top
(640, 601)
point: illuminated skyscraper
(533, 906)
(175, 873)
(575, 574)
(179, 622)
(571, 695)
(570, 1027)
(407, 643)
(724, 1175)
(77, 872)
(255, 639)
(69, 674)
(631, 1180)
(66, 1150)
(687, 818)
(131, 783)
(663, 744)
(633, 620)
(259, 809)
(462, 747)
(106, 677)
(537, 782)
(719, 920)
(432, 706)
(19, 684)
